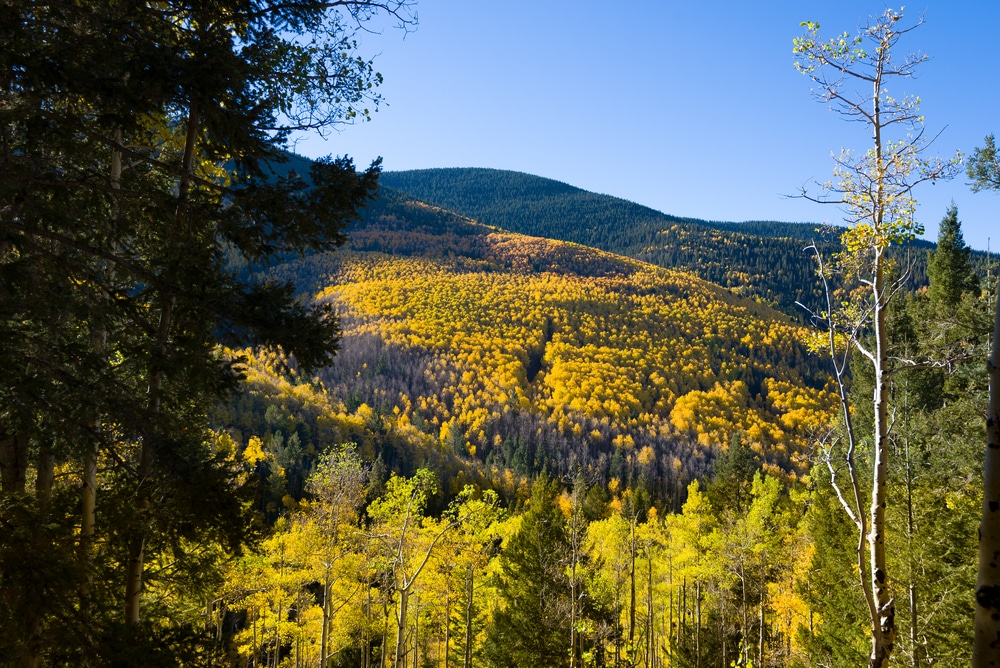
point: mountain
(502, 355)
(762, 259)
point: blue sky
(692, 108)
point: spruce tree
(532, 627)
(835, 635)
(948, 268)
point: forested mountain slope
(520, 354)
(758, 258)
(517, 364)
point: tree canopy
(136, 140)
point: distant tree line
(761, 259)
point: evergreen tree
(135, 143)
(532, 626)
(949, 269)
(835, 635)
(733, 470)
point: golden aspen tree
(408, 538)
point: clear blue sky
(692, 108)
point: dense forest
(684, 520)
(762, 259)
(259, 411)
(528, 355)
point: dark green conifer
(532, 629)
(136, 143)
(948, 267)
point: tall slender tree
(984, 170)
(852, 74)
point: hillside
(757, 259)
(521, 354)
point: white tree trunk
(986, 645)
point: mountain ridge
(767, 260)
(719, 252)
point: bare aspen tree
(984, 170)
(986, 645)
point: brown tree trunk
(13, 463)
(137, 544)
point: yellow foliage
(646, 456)
(254, 453)
(637, 348)
(565, 502)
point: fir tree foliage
(983, 168)
(949, 268)
(134, 142)
(531, 626)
